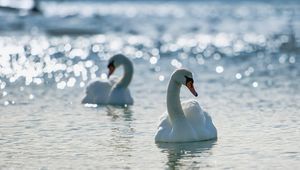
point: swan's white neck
(128, 72)
(173, 101)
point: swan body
(114, 92)
(186, 121)
(120, 96)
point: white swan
(112, 92)
(184, 122)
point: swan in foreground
(186, 121)
(110, 91)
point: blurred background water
(245, 60)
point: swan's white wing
(199, 120)
(179, 131)
(164, 121)
(97, 92)
(164, 129)
(120, 96)
(193, 112)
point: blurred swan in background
(186, 121)
(22, 7)
(111, 91)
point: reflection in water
(119, 111)
(177, 151)
(121, 132)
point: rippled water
(245, 60)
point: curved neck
(173, 101)
(128, 72)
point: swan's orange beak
(190, 86)
(111, 70)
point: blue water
(245, 60)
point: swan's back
(97, 92)
(120, 96)
(193, 113)
(199, 120)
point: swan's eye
(111, 64)
(188, 80)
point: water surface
(246, 73)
